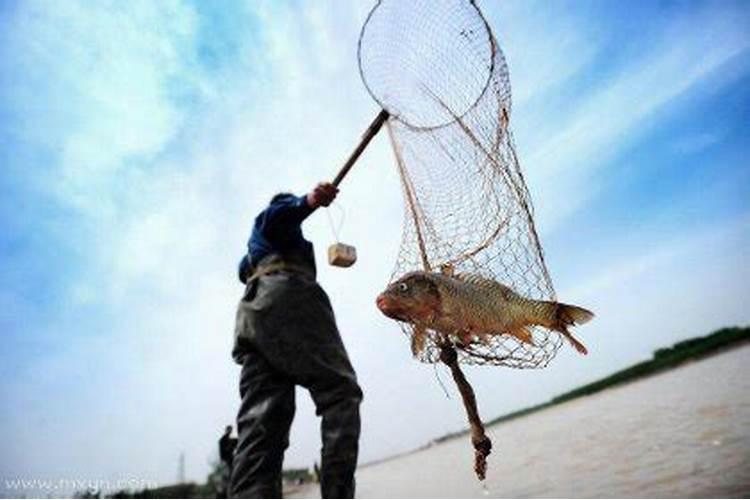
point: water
(684, 433)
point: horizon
(140, 141)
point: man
(227, 444)
(285, 336)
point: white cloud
(104, 74)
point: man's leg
(307, 346)
(337, 397)
(263, 422)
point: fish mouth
(390, 307)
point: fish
(473, 308)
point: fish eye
(403, 287)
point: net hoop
(449, 119)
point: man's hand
(322, 196)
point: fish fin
(418, 337)
(474, 278)
(448, 270)
(483, 337)
(523, 334)
(574, 342)
(465, 336)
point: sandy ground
(683, 433)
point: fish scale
(496, 306)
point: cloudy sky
(140, 138)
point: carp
(472, 307)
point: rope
(482, 444)
(437, 377)
(335, 231)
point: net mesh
(436, 67)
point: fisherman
(286, 335)
(227, 445)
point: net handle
(371, 132)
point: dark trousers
(307, 353)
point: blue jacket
(277, 229)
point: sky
(139, 139)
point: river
(682, 433)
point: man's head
(280, 196)
(228, 430)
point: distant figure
(227, 445)
(316, 472)
(286, 335)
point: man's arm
(286, 211)
(290, 210)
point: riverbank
(680, 432)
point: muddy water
(684, 433)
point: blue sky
(139, 139)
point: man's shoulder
(280, 202)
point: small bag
(341, 255)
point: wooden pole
(371, 132)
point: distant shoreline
(663, 360)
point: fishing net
(437, 69)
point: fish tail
(569, 315)
(565, 316)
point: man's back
(277, 230)
(227, 445)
